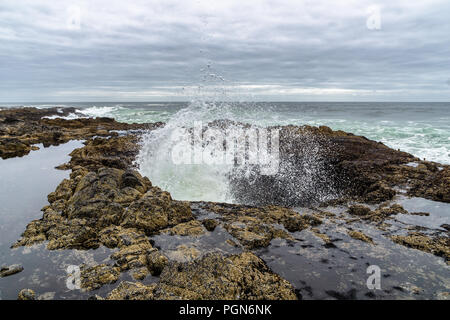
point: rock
(8, 271)
(439, 246)
(210, 224)
(156, 262)
(214, 276)
(95, 277)
(132, 291)
(377, 215)
(423, 214)
(392, 210)
(133, 256)
(433, 184)
(26, 294)
(255, 227)
(326, 239)
(155, 211)
(183, 253)
(359, 210)
(89, 202)
(191, 228)
(379, 192)
(360, 236)
(21, 128)
(119, 237)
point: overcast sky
(263, 50)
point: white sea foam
(103, 111)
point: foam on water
(422, 129)
(184, 181)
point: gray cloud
(276, 50)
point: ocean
(422, 129)
(419, 128)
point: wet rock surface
(27, 294)
(21, 129)
(10, 270)
(168, 249)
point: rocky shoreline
(106, 202)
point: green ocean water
(420, 128)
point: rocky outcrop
(26, 294)
(21, 129)
(213, 277)
(88, 204)
(317, 164)
(106, 202)
(255, 227)
(438, 245)
(10, 270)
(360, 236)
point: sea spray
(208, 152)
(184, 156)
(185, 181)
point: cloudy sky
(106, 50)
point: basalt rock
(359, 210)
(191, 228)
(156, 262)
(255, 227)
(438, 245)
(214, 276)
(360, 236)
(210, 224)
(377, 215)
(111, 207)
(26, 294)
(116, 152)
(21, 129)
(9, 271)
(319, 164)
(93, 278)
(80, 208)
(105, 202)
(132, 291)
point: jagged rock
(132, 291)
(21, 128)
(360, 236)
(155, 211)
(26, 294)
(95, 277)
(214, 276)
(156, 262)
(255, 227)
(377, 215)
(90, 202)
(210, 224)
(183, 253)
(326, 239)
(133, 256)
(439, 246)
(191, 228)
(359, 210)
(9, 271)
